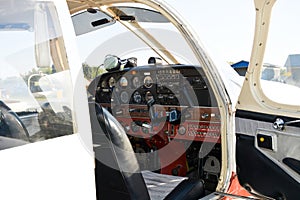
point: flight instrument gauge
(137, 98)
(124, 97)
(123, 82)
(112, 82)
(103, 84)
(148, 96)
(136, 82)
(148, 82)
(134, 127)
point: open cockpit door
(44, 132)
(268, 109)
(161, 87)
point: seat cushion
(167, 187)
(160, 185)
(189, 189)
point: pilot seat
(117, 172)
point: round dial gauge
(148, 82)
(137, 98)
(181, 130)
(103, 84)
(134, 127)
(124, 97)
(136, 82)
(112, 82)
(123, 82)
(145, 129)
(148, 96)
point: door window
(281, 71)
(35, 84)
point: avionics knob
(204, 115)
(181, 130)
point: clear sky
(17, 52)
(226, 28)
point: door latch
(279, 123)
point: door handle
(279, 123)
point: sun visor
(90, 20)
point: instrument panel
(176, 85)
(175, 101)
(166, 107)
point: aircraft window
(281, 67)
(35, 83)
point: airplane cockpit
(169, 114)
(158, 104)
(146, 82)
(118, 99)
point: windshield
(153, 36)
(35, 81)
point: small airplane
(117, 99)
